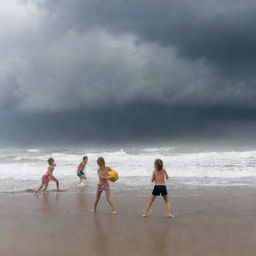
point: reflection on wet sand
(48, 203)
(102, 234)
(62, 224)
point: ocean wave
(33, 150)
(23, 166)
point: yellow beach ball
(112, 176)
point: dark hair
(100, 161)
(85, 157)
(50, 160)
(159, 164)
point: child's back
(159, 177)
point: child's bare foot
(36, 194)
(114, 212)
(170, 216)
(93, 210)
(144, 215)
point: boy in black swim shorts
(158, 176)
(159, 190)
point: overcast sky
(112, 71)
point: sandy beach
(146, 95)
(61, 224)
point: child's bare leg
(40, 187)
(107, 192)
(150, 202)
(57, 183)
(98, 194)
(168, 206)
(45, 186)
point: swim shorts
(159, 190)
(102, 187)
(80, 173)
(45, 178)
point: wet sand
(61, 224)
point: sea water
(21, 169)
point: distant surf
(21, 169)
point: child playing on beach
(103, 184)
(158, 176)
(80, 170)
(49, 176)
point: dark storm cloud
(66, 67)
(222, 32)
(138, 123)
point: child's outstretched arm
(166, 174)
(153, 177)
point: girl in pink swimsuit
(48, 176)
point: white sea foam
(33, 150)
(17, 166)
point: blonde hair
(159, 164)
(100, 161)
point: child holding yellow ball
(103, 184)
